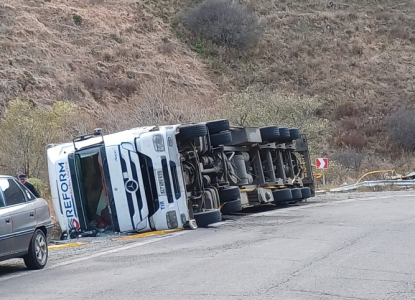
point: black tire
(221, 138)
(37, 257)
(217, 126)
(281, 196)
(284, 134)
(294, 134)
(207, 217)
(306, 192)
(229, 193)
(231, 207)
(297, 195)
(270, 133)
(191, 131)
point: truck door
(22, 214)
(5, 228)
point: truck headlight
(171, 219)
(158, 142)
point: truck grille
(129, 194)
(167, 179)
(149, 180)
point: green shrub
(349, 159)
(224, 22)
(400, 128)
(77, 19)
(41, 187)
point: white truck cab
(126, 181)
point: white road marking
(95, 255)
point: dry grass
(159, 103)
(95, 53)
(356, 56)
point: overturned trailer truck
(166, 177)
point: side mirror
(98, 131)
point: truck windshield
(89, 173)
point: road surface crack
(327, 255)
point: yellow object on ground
(145, 234)
(54, 247)
(382, 174)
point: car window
(28, 193)
(12, 192)
(2, 203)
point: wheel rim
(41, 249)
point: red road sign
(322, 163)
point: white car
(25, 224)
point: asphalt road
(332, 248)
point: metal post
(269, 166)
(324, 178)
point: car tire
(191, 131)
(217, 126)
(229, 193)
(306, 192)
(221, 138)
(294, 134)
(270, 133)
(281, 196)
(296, 193)
(37, 257)
(207, 217)
(284, 134)
(231, 207)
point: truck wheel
(270, 133)
(221, 138)
(284, 134)
(294, 134)
(297, 195)
(231, 207)
(305, 192)
(281, 196)
(37, 256)
(229, 193)
(217, 126)
(207, 217)
(190, 131)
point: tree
(25, 130)
(264, 108)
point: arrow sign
(322, 163)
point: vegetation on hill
(339, 71)
(356, 58)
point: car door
(5, 228)
(22, 214)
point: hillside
(136, 60)
(96, 54)
(356, 57)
